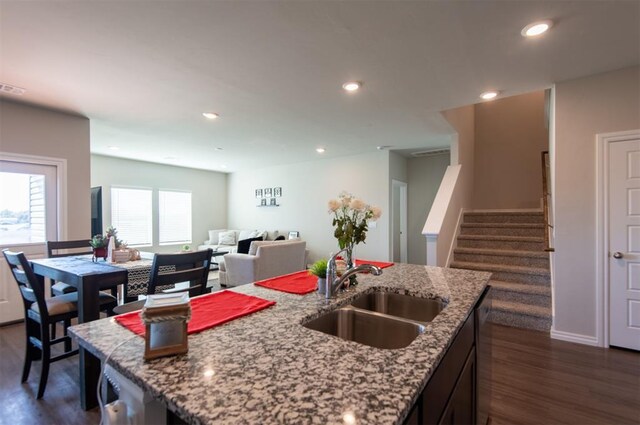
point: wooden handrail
(545, 203)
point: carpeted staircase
(510, 244)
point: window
(131, 214)
(174, 211)
(27, 202)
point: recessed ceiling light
(9, 89)
(114, 148)
(352, 85)
(320, 150)
(210, 115)
(488, 95)
(536, 28)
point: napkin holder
(165, 318)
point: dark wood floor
(536, 380)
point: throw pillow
(227, 238)
(245, 234)
(245, 244)
(214, 234)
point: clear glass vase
(350, 262)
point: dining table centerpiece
(351, 217)
(99, 245)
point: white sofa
(264, 260)
(214, 238)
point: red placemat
(381, 264)
(295, 283)
(207, 311)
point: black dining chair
(57, 249)
(40, 313)
(192, 267)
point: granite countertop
(267, 368)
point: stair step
(501, 272)
(520, 315)
(504, 216)
(521, 243)
(506, 229)
(502, 256)
(526, 310)
(503, 252)
(537, 295)
(517, 320)
(522, 288)
(500, 268)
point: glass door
(28, 218)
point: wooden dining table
(89, 278)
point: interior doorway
(399, 221)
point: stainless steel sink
(405, 306)
(368, 328)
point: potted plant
(319, 269)
(99, 245)
(112, 232)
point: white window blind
(131, 215)
(174, 211)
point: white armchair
(265, 260)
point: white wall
(306, 189)
(30, 130)
(424, 178)
(456, 190)
(602, 103)
(510, 134)
(208, 192)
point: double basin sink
(379, 319)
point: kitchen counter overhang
(268, 368)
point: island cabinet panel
(461, 406)
(440, 394)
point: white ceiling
(144, 71)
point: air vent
(9, 89)
(432, 152)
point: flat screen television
(96, 210)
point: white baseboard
(577, 338)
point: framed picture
(272, 201)
(294, 235)
(263, 202)
(277, 192)
(267, 192)
(258, 193)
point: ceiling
(144, 71)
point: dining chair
(57, 249)
(192, 267)
(40, 313)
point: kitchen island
(267, 368)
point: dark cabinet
(450, 397)
(461, 407)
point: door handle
(618, 255)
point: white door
(28, 205)
(624, 243)
(399, 220)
